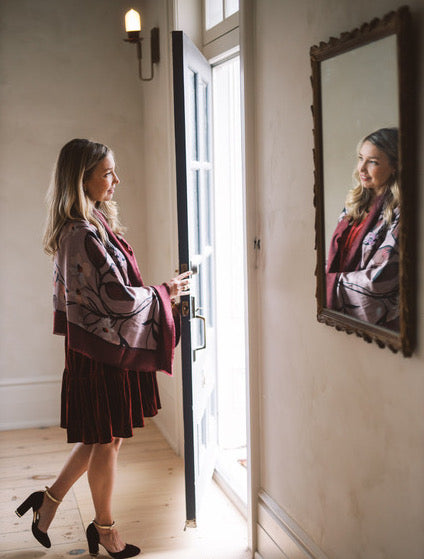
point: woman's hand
(180, 285)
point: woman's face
(374, 168)
(101, 184)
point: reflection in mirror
(349, 116)
(362, 182)
(362, 270)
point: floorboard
(149, 504)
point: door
(192, 113)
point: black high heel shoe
(34, 501)
(93, 540)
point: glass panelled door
(192, 110)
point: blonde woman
(363, 260)
(118, 333)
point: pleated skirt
(100, 402)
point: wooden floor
(149, 505)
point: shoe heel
(25, 506)
(92, 540)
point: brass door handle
(203, 346)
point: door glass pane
(200, 290)
(197, 227)
(214, 12)
(204, 430)
(208, 203)
(194, 211)
(201, 122)
(204, 92)
(192, 95)
(213, 403)
(208, 290)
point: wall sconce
(133, 28)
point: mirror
(364, 182)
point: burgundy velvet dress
(101, 399)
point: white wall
(341, 421)
(160, 200)
(66, 73)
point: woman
(363, 262)
(118, 333)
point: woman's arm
(372, 293)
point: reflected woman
(362, 277)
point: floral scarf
(102, 306)
(367, 286)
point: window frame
(227, 26)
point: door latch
(185, 308)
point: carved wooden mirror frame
(397, 24)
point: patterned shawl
(102, 306)
(368, 286)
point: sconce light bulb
(132, 21)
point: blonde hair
(359, 198)
(66, 198)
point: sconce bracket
(154, 45)
(134, 37)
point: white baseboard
(267, 546)
(29, 402)
(279, 536)
(232, 495)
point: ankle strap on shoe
(50, 496)
(104, 526)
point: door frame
(247, 18)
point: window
(216, 11)
(221, 18)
